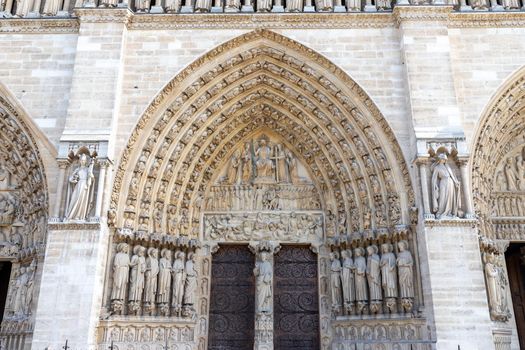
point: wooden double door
(515, 260)
(296, 308)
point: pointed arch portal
(264, 143)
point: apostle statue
(361, 290)
(202, 5)
(324, 5)
(23, 7)
(405, 271)
(264, 5)
(21, 292)
(121, 264)
(291, 162)
(294, 6)
(347, 278)
(263, 163)
(178, 282)
(233, 168)
(142, 6)
(335, 282)
(445, 190)
(172, 6)
(51, 7)
(373, 274)
(136, 278)
(263, 273)
(496, 288)
(511, 175)
(247, 165)
(81, 183)
(280, 163)
(164, 281)
(152, 271)
(388, 276)
(190, 286)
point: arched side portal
(23, 221)
(184, 164)
(498, 178)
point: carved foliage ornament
(329, 126)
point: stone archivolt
(23, 219)
(222, 99)
(498, 173)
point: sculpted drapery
(81, 182)
(445, 190)
(264, 284)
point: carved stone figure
(136, 278)
(445, 190)
(373, 274)
(121, 265)
(172, 6)
(190, 285)
(21, 292)
(388, 275)
(405, 271)
(108, 3)
(31, 270)
(142, 6)
(202, 5)
(152, 271)
(361, 290)
(233, 168)
(263, 273)
(280, 163)
(335, 282)
(347, 279)
(232, 6)
(264, 165)
(23, 7)
(520, 167)
(264, 5)
(164, 283)
(496, 288)
(247, 164)
(294, 6)
(324, 5)
(178, 282)
(51, 7)
(7, 209)
(511, 175)
(81, 186)
(511, 4)
(291, 161)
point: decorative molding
(263, 20)
(451, 222)
(39, 25)
(486, 19)
(101, 15)
(73, 226)
(403, 14)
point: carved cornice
(39, 25)
(486, 19)
(451, 223)
(100, 15)
(404, 14)
(262, 20)
(74, 226)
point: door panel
(296, 301)
(516, 272)
(232, 299)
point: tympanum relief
(508, 197)
(264, 193)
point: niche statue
(81, 183)
(445, 190)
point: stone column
(467, 192)
(63, 165)
(423, 174)
(100, 188)
(264, 252)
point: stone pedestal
(72, 284)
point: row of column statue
(372, 284)
(21, 287)
(147, 282)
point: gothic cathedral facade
(266, 175)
